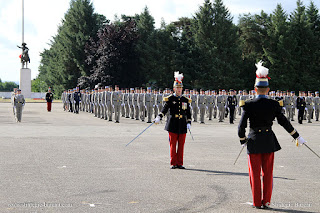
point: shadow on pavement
(212, 172)
(287, 210)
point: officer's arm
(189, 112)
(285, 123)
(165, 108)
(243, 125)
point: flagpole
(22, 21)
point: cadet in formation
(142, 105)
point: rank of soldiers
(145, 104)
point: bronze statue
(25, 55)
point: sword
(311, 150)
(297, 144)
(240, 152)
(140, 134)
(191, 135)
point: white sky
(43, 16)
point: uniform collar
(262, 96)
(177, 96)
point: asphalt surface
(64, 162)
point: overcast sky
(43, 16)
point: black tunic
(180, 113)
(261, 112)
(49, 97)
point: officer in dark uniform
(301, 105)
(77, 99)
(262, 142)
(232, 103)
(49, 99)
(178, 121)
(70, 100)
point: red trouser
(49, 106)
(176, 155)
(256, 162)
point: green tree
(64, 62)
(216, 37)
(251, 46)
(300, 29)
(37, 85)
(188, 53)
(278, 48)
(145, 47)
(313, 18)
(7, 86)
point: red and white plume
(262, 72)
(178, 77)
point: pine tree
(145, 47)
(301, 32)
(278, 49)
(313, 18)
(216, 37)
(251, 46)
(64, 62)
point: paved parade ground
(65, 162)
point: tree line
(7, 86)
(211, 51)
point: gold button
(259, 130)
(267, 130)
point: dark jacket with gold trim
(261, 112)
(180, 113)
(301, 103)
(49, 97)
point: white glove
(301, 140)
(157, 120)
(188, 126)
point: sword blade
(139, 134)
(191, 135)
(239, 153)
(311, 150)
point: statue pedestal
(25, 82)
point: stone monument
(25, 72)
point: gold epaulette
(281, 103)
(166, 98)
(242, 103)
(189, 99)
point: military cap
(262, 78)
